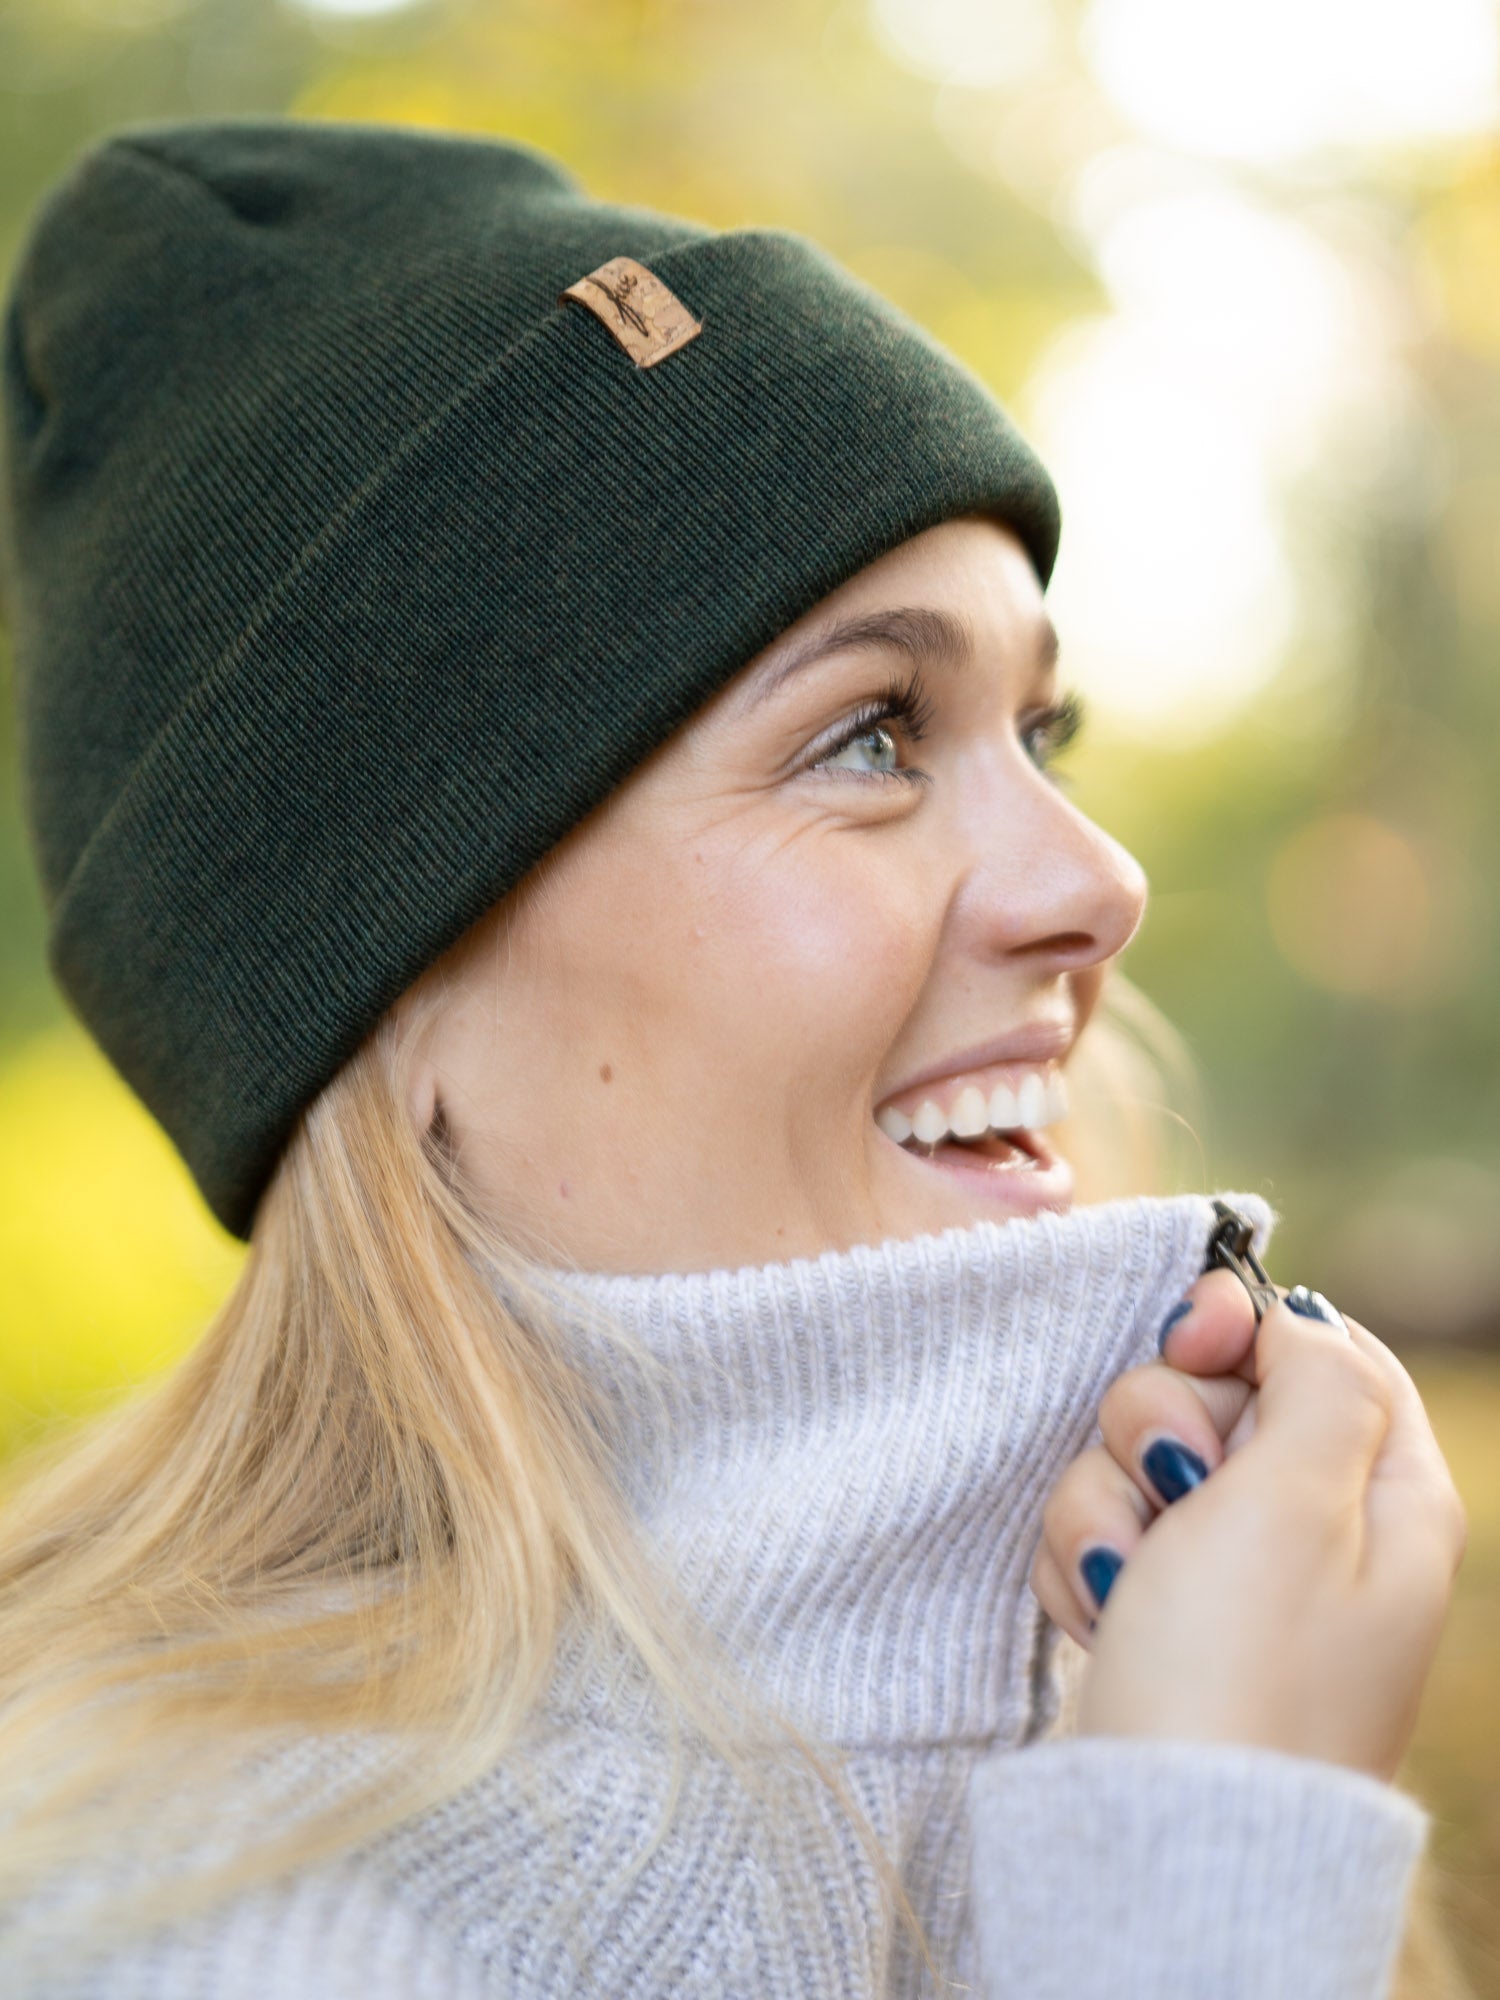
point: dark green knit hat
(348, 566)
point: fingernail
(1177, 1313)
(1100, 1568)
(1313, 1305)
(1172, 1469)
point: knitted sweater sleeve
(1128, 1865)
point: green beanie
(349, 561)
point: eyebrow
(921, 631)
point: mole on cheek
(606, 1073)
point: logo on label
(647, 320)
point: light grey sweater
(846, 1477)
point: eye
(904, 703)
(871, 751)
(1061, 724)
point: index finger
(1216, 1336)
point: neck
(844, 1459)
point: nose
(1050, 882)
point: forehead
(944, 597)
(927, 634)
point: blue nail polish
(1177, 1313)
(1172, 1469)
(1313, 1305)
(1100, 1567)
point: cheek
(823, 953)
(716, 961)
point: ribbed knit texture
(849, 1485)
(347, 570)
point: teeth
(1032, 1103)
(970, 1115)
(929, 1125)
(1041, 1100)
(1005, 1114)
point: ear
(423, 1097)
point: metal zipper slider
(1229, 1245)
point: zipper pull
(1229, 1246)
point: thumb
(1412, 1496)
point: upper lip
(1039, 1042)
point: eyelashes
(1064, 722)
(908, 703)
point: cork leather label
(647, 320)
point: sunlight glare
(1246, 359)
(1277, 79)
(1172, 592)
(1279, 314)
(978, 43)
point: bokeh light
(352, 10)
(974, 42)
(1268, 80)
(1350, 906)
(1245, 298)
(1172, 590)
(1244, 358)
(1459, 238)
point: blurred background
(1236, 270)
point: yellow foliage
(398, 93)
(112, 1262)
(1459, 237)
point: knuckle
(1296, 1518)
(1351, 1379)
(1095, 1500)
(1118, 1400)
(1061, 1506)
(1143, 1397)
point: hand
(1295, 1597)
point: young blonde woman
(537, 723)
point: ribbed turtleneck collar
(846, 1466)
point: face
(780, 992)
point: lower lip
(1021, 1190)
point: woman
(538, 724)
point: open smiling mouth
(1017, 1167)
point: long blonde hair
(210, 1569)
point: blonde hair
(208, 1571)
